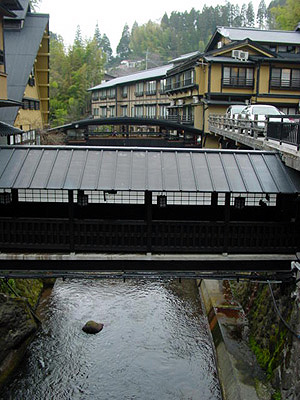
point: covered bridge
(151, 201)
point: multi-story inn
(142, 94)
(7, 9)
(26, 43)
(239, 66)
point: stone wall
(17, 324)
(276, 349)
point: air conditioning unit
(244, 55)
(195, 99)
(180, 102)
(235, 53)
(220, 44)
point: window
(285, 78)
(163, 84)
(237, 77)
(95, 95)
(139, 89)
(151, 88)
(1, 57)
(188, 78)
(163, 111)
(36, 105)
(124, 91)
(112, 111)
(168, 84)
(25, 104)
(138, 111)
(150, 111)
(103, 111)
(103, 94)
(177, 81)
(124, 110)
(111, 94)
(96, 112)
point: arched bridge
(139, 121)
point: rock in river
(92, 327)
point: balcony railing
(151, 92)
(238, 82)
(290, 84)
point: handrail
(282, 128)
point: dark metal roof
(21, 48)
(6, 129)
(140, 169)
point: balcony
(288, 84)
(238, 82)
(150, 92)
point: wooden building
(238, 66)
(7, 9)
(26, 43)
(137, 95)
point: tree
(105, 45)
(244, 15)
(262, 15)
(123, 50)
(97, 36)
(287, 16)
(250, 15)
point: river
(154, 344)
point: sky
(111, 16)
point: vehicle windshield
(265, 111)
(235, 109)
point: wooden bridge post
(226, 221)
(71, 220)
(148, 204)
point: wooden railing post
(226, 221)
(71, 220)
(148, 204)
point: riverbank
(274, 373)
(18, 323)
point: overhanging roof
(140, 169)
(151, 73)
(6, 129)
(21, 48)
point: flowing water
(154, 344)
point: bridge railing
(136, 236)
(282, 128)
(285, 129)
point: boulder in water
(92, 327)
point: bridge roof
(140, 169)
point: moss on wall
(28, 288)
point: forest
(82, 65)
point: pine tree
(244, 15)
(123, 49)
(97, 36)
(250, 15)
(105, 45)
(262, 15)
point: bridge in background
(87, 130)
(110, 209)
(277, 133)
